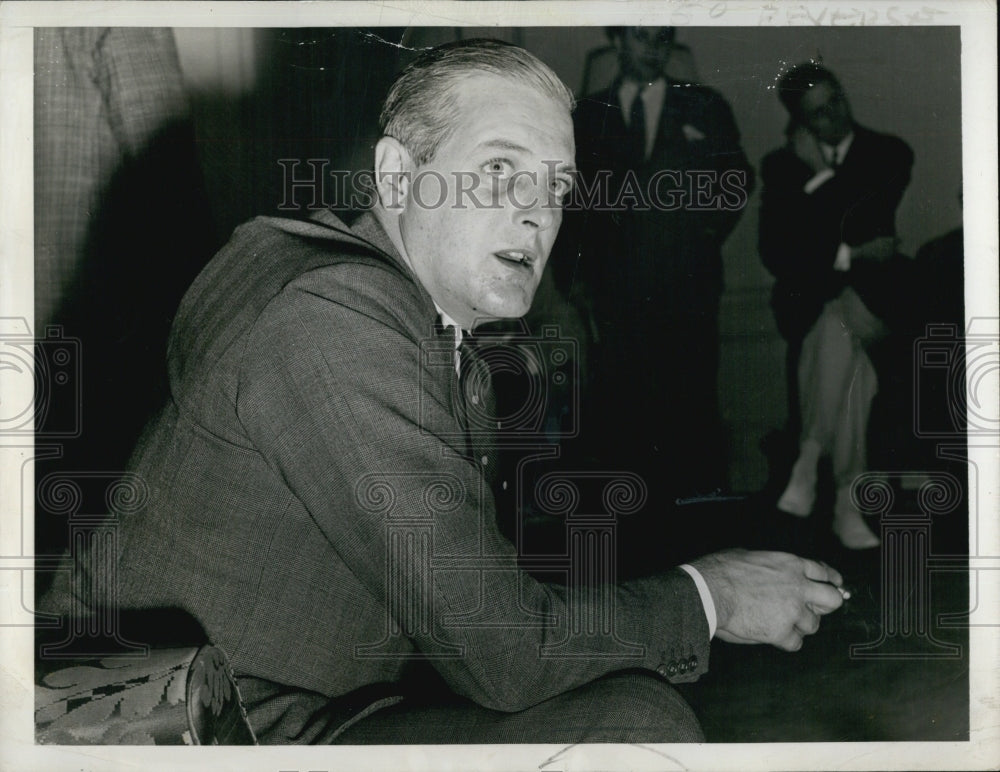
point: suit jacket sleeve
(865, 194)
(355, 431)
(791, 238)
(735, 178)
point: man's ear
(392, 174)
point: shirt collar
(629, 88)
(836, 154)
(447, 321)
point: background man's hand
(806, 147)
(769, 597)
(877, 250)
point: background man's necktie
(637, 129)
(832, 155)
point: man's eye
(498, 167)
(561, 187)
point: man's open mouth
(520, 257)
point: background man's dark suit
(654, 276)
(800, 232)
(307, 437)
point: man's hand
(806, 147)
(769, 597)
(878, 250)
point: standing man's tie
(637, 129)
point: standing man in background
(671, 180)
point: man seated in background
(828, 234)
(322, 494)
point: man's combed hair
(421, 109)
(798, 80)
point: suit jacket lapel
(669, 135)
(614, 119)
(857, 152)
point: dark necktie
(637, 129)
(833, 157)
(475, 382)
(476, 391)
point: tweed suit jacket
(800, 232)
(313, 501)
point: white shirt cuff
(843, 261)
(818, 179)
(706, 598)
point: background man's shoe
(849, 525)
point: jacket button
(672, 668)
(693, 661)
(682, 666)
(662, 670)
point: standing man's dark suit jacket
(672, 250)
(800, 232)
(306, 439)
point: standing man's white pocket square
(691, 134)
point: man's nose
(540, 215)
(533, 207)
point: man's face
(825, 113)
(643, 52)
(480, 218)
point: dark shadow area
(150, 237)
(294, 143)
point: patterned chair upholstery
(115, 690)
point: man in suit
(829, 200)
(827, 229)
(318, 482)
(671, 180)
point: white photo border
(979, 137)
